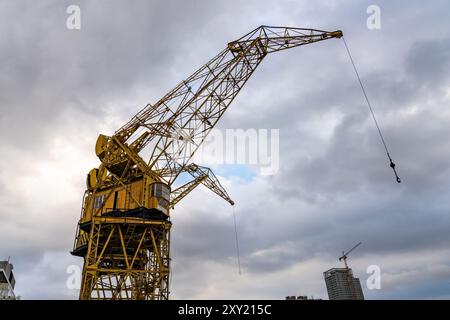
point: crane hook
(392, 164)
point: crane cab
(160, 197)
(140, 194)
(140, 198)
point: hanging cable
(237, 241)
(391, 163)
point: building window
(98, 201)
(160, 190)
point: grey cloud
(63, 85)
(428, 63)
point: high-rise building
(7, 281)
(341, 285)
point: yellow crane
(124, 230)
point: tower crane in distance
(124, 230)
(349, 271)
(345, 255)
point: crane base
(126, 256)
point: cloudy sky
(60, 88)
